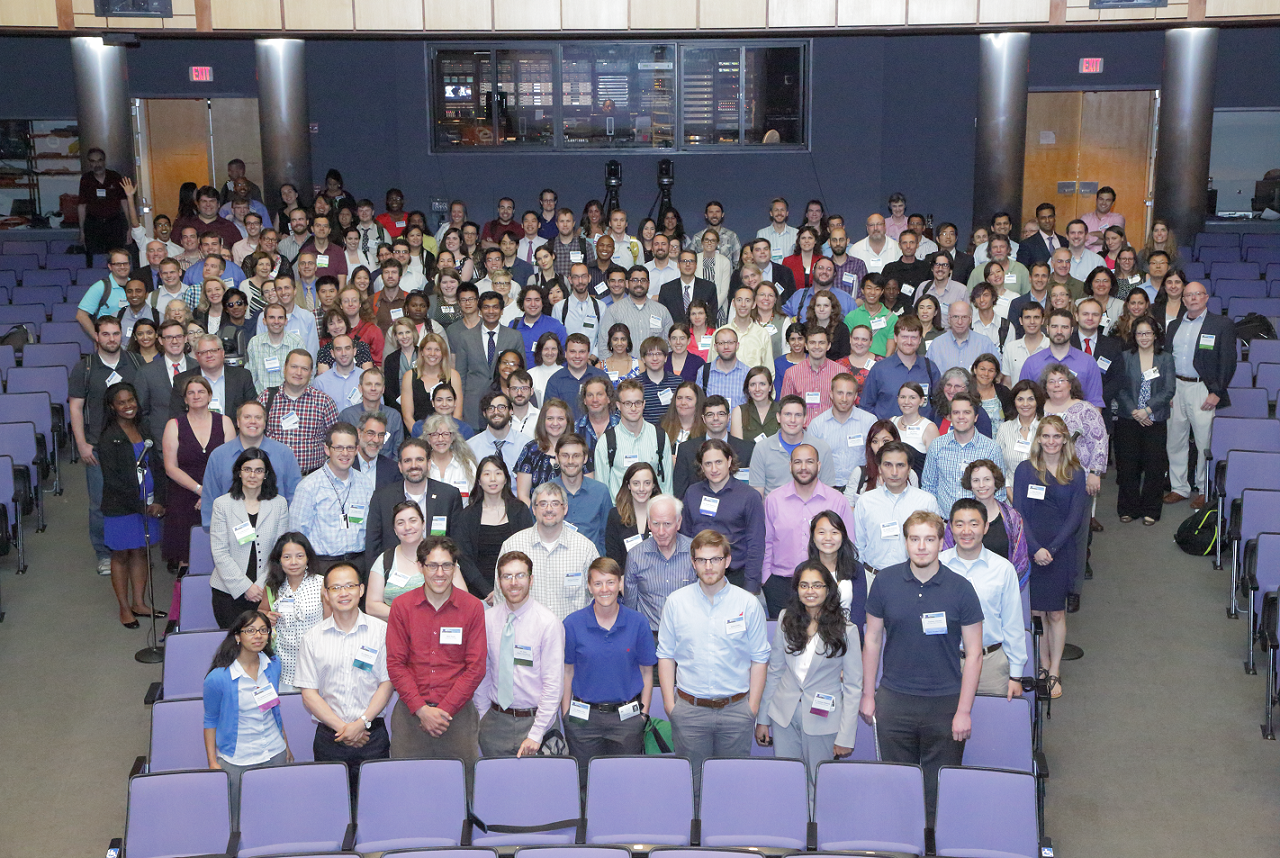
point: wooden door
(178, 149)
(1095, 138)
(237, 134)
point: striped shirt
(814, 387)
(560, 573)
(325, 510)
(261, 350)
(945, 464)
(651, 577)
(728, 384)
(326, 663)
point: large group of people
(520, 472)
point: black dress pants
(1141, 464)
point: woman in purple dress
(188, 440)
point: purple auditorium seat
(38, 248)
(64, 355)
(1226, 289)
(640, 799)
(31, 315)
(319, 810)
(1235, 434)
(1211, 256)
(197, 605)
(12, 511)
(18, 441)
(411, 803)
(36, 409)
(1232, 270)
(177, 736)
(66, 312)
(1250, 402)
(1261, 576)
(986, 813)
(869, 807)
(178, 813)
(1264, 351)
(66, 332)
(444, 852)
(1259, 513)
(297, 722)
(513, 795)
(575, 852)
(754, 801)
(1268, 379)
(187, 656)
(18, 261)
(201, 553)
(1238, 308)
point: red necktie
(1088, 349)
(175, 370)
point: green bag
(657, 736)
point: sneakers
(104, 566)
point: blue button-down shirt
(847, 440)
(588, 509)
(581, 317)
(651, 577)
(880, 393)
(325, 507)
(946, 461)
(482, 445)
(713, 659)
(946, 351)
(727, 384)
(562, 385)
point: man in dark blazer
(474, 359)
(1204, 357)
(672, 293)
(1040, 247)
(156, 378)
(373, 455)
(777, 274)
(715, 414)
(237, 382)
(441, 503)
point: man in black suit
(441, 503)
(676, 295)
(156, 378)
(232, 385)
(374, 455)
(715, 414)
(1040, 247)
(1108, 353)
(1204, 359)
(779, 275)
(150, 273)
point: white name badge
(285, 605)
(735, 625)
(771, 329)
(1151, 374)
(215, 405)
(907, 290)
(523, 655)
(1035, 492)
(290, 421)
(356, 513)
(629, 710)
(365, 657)
(776, 256)
(705, 343)
(613, 376)
(1135, 279)
(1104, 364)
(396, 314)
(761, 438)
(575, 256)
(812, 397)
(451, 635)
(400, 224)
(573, 528)
(778, 286)
(439, 524)
(573, 580)
(925, 388)
(744, 474)
(846, 277)
(890, 530)
(602, 287)
(632, 541)
(244, 532)
(397, 578)
(630, 459)
(271, 364)
(822, 705)
(878, 323)
(655, 323)
(322, 260)
(1022, 448)
(857, 440)
(1206, 341)
(265, 696)
(354, 396)
(934, 623)
(128, 332)
(102, 192)
(114, 378)
(709, 505)
(869, 363)
(665, 396)
(579, 710)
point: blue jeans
(93, 475)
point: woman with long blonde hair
(432, 368)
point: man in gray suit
(157, 377)
(476, 352)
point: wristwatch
(368, 725)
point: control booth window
(619, 96)
(735, 95)
(494, 98)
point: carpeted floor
(1154, 748)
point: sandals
(1125, 519)
(1055, 687)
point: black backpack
(18, 336)
(1198, 534)
(1255, 326)
(611, 448)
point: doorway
(191, 140)
(1078, 142)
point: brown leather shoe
(1197, 502)
(1174, 497)
(1096, 526)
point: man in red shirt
(103, 206)
(206, 218)
(494, 230)
(436, 651)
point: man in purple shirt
(206, 218)
(787, 512)
(1061, 328)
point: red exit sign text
(1091, 65)
(204, 74)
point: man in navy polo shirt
(920, 612)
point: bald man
(876, 250)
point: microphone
(146, 448)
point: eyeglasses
(811, 585)
(551, 504)
(117, 264)
(439, 567)
(524, 388)
(207, 352)
(345, 448)
(253, 472)
(639, 403)
(443, 434)
(341, 588)
(257, 632)
(233, 304)
(499, 408)
(518, 576)
(369, 433)
(710, 561)
(173, 338)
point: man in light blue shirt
(713, 653)
(332, 504)
(498, 437)
(881, 512)
(961, 345)
(844, 428)
(251, 420)
(342, 380)
(725, 375)
(589, 500)
(301, 321)
(951, 453)
(580, 311)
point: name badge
(878, 323)
(439, 523)
(778, 286)
(400, 224)
(630, 459)
(1035, 492)
(632, 541)
(822, 705)
(1104, 364)
(1135, 279)
(285, 605)
(890, 530)
(1206, 341)
(356, 513)
(907, 290)
(265, 696)
(925, 388)
(869, 363)
(665, 396)
(1010, 278)
(215, 405)
(776, 256)
(575, 256)
(934, 623)
(322, 260)
(857, 440)
(812, 397)
(397, 578)
(523, 655)
(735, 625)
(629, 710)
(579, 710)
(771, 329)
(1151, 374)
(244, 533)
(655, 323)
(744, 474)
(102, 192)
(1023, 448)
(709, 505)
(572, 528)
(397, 314)
(114, 378)
(572, 580)
(613, 376)
(705, 343)
(761, 438)
(290, 421)
(602, 287)
(128, 332)
(846, 277)
(365, 657)
(354, 396)
(271, 364)
(451, 635)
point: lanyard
(342, 499)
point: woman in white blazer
(246, 523)
(814, 683)
(721, 271)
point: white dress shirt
(996, 583)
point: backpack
(107, 288)
(657, 735)
(1255, 326)
(18, 336)
(611, 448)
(1199, 533)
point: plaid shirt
(560, 575)
(316, 413)
(945, 464)
(260, 349)
(727, 384)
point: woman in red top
(361, 319)
(806, 250)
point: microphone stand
(153, 653)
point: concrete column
(282, 111)
(102, 102)
(1186, 126)
(1002, 125)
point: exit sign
(202, 74)
(1091, 65)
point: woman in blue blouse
(242, 723)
